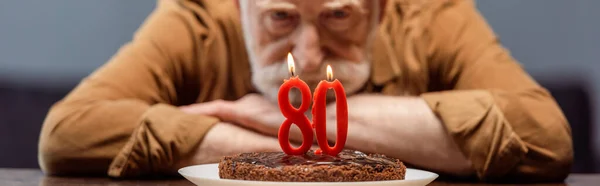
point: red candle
(319, 115)
(293, 115)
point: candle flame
(290, 60)
(329, 73)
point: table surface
(21, 177)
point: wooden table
(26, 177)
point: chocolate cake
(347, 166)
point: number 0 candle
(293, 115)
(319, 114)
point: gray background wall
(61, 41)
(46, 47)
(53, 44)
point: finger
(227, 111)
(201, 109)
(213, 108)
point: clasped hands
(249, 124)
(252, 111)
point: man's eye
(280, 15)
(280, 22)
(339, 14)
(338, 19)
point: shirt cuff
(164, 136)
(479, 128)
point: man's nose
(308, 49)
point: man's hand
(252, 111)
(226, 139)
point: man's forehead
(293, 3)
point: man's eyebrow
(336, 4)
(270, 4)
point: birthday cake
(347, 166)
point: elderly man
(428, 83)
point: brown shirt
(122, 120)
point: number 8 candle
(293, 115)
(319, 114)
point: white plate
(209, 175)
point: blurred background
(47, 47)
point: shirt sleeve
(121, 119)
(503, 121)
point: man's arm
(400, 127)
(123, 109)
(226, 139)
(504, 122)
(122, 119)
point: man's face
(317, 33)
